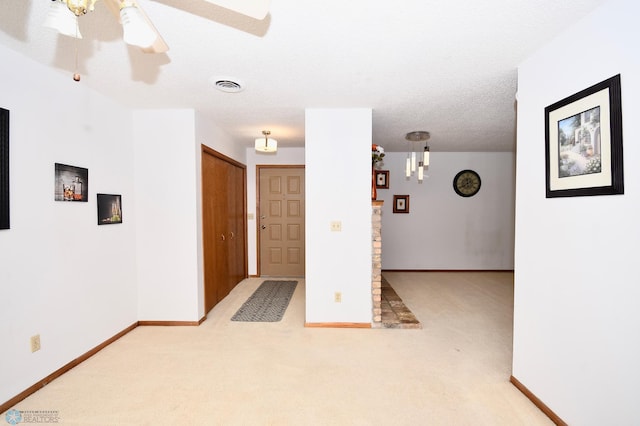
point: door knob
(263, 227)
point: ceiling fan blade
(256, 9)
(159, 45)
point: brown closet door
(221, 229)
(224, 225)
(237, 225)
(209, 232)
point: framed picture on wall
(401, 204)
(584, 142)
(4, 168)
(382, 179)
(71, 183)
(109, 209)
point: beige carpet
(453, 371)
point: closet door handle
(232, 235)
(223, 237)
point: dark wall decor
(584, 142)
(401, 204)
(4, 168)
(467, 183)
(109, 209)
(382, 179)
(72, 183)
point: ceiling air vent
(227, 85)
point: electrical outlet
(35, 343)
(336, 226)
(337, 297)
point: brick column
(376, 262)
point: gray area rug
(268, 303)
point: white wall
(61, 275)
(166, 180)
(577, 291)
(284, 156)
(443, 230)
(338, 182)
(209, 134)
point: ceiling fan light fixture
(136, 30)
(61, 19)
(80, 7)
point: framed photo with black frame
(109, 209)
(382, 179)
(401, 204)
(583, 142)
(71, 183)
(4, 169)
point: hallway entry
(280, 209)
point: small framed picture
(382, 179)
(401, 204)
(71, 183)
(109, 209)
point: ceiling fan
(137, 27)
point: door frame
(260, 167)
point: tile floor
(395, 313)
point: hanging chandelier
(417, 161)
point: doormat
(268, 303)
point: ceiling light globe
(61, 19)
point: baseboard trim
(173, 323)
(59, 372)
(447, 270)
(536, 401)
(338, 324)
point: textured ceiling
(445, 67)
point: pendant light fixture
(264, 144)
(417, 160)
